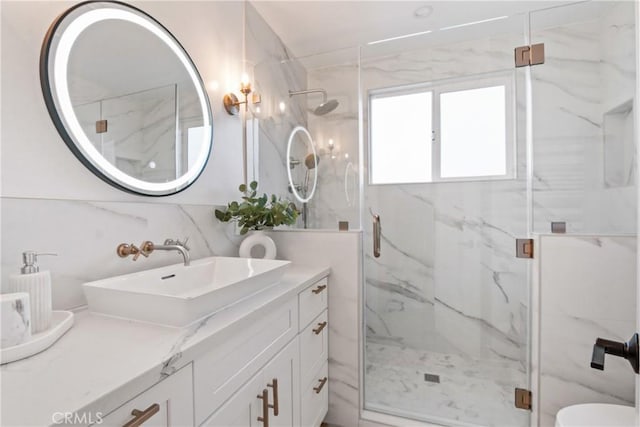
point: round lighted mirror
(126, 98)
(303, 164)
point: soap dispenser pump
(38, 285)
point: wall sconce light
(331, 148)
(231, 101)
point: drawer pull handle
(139, 417)
(320, 327)
(275, 406)
(319, 289)
(320, 386)
(264, 419)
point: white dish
(61, 321)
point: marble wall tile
(587, 290)
(338, 190)
(589, 70)
(85, 234)
(76, 214)
(342, 251)
(275, 72)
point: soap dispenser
(38, 285)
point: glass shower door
(446, 300)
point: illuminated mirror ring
(315, 169)
(56, 82)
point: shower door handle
(377, 231)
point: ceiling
(309, 27)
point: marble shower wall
(588, 74)
(342, 251)
(338, 192)
(275, 72)
(447, 280)
(51, 202)
(587, 290)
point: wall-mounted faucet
(626, 350)
(147, 247)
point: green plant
(258, 213)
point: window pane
(401, 138)
(473, 133)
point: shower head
(327, 106)
(311, 161)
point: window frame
(438, 87)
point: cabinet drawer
(313, 347)
(315, 399)
(313, 301)
(219, 373)
(173, 397)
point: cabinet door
(167, 404)
(242, 409)
(245, 406)
(284, 370)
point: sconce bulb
(282, 106)
(244, 79)
(331, 144)
(346, 156)
(152, 164)
(258, 110)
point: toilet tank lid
(596, 415)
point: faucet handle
(177, 242)
(146, 248)
(125, 250)
(133, 250)
(184, 243)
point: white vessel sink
(177, 295)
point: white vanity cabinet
(272, 373)
(167, 404)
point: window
(450, 131)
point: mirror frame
(58, 101)
(292, 184)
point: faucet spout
(183, 251)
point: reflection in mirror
(126, 98)
(303, 162)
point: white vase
(258, 238)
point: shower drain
(432, 378)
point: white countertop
(102, 361)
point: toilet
(596, 415)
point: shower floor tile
(471, 392)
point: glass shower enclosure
(465, 153)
